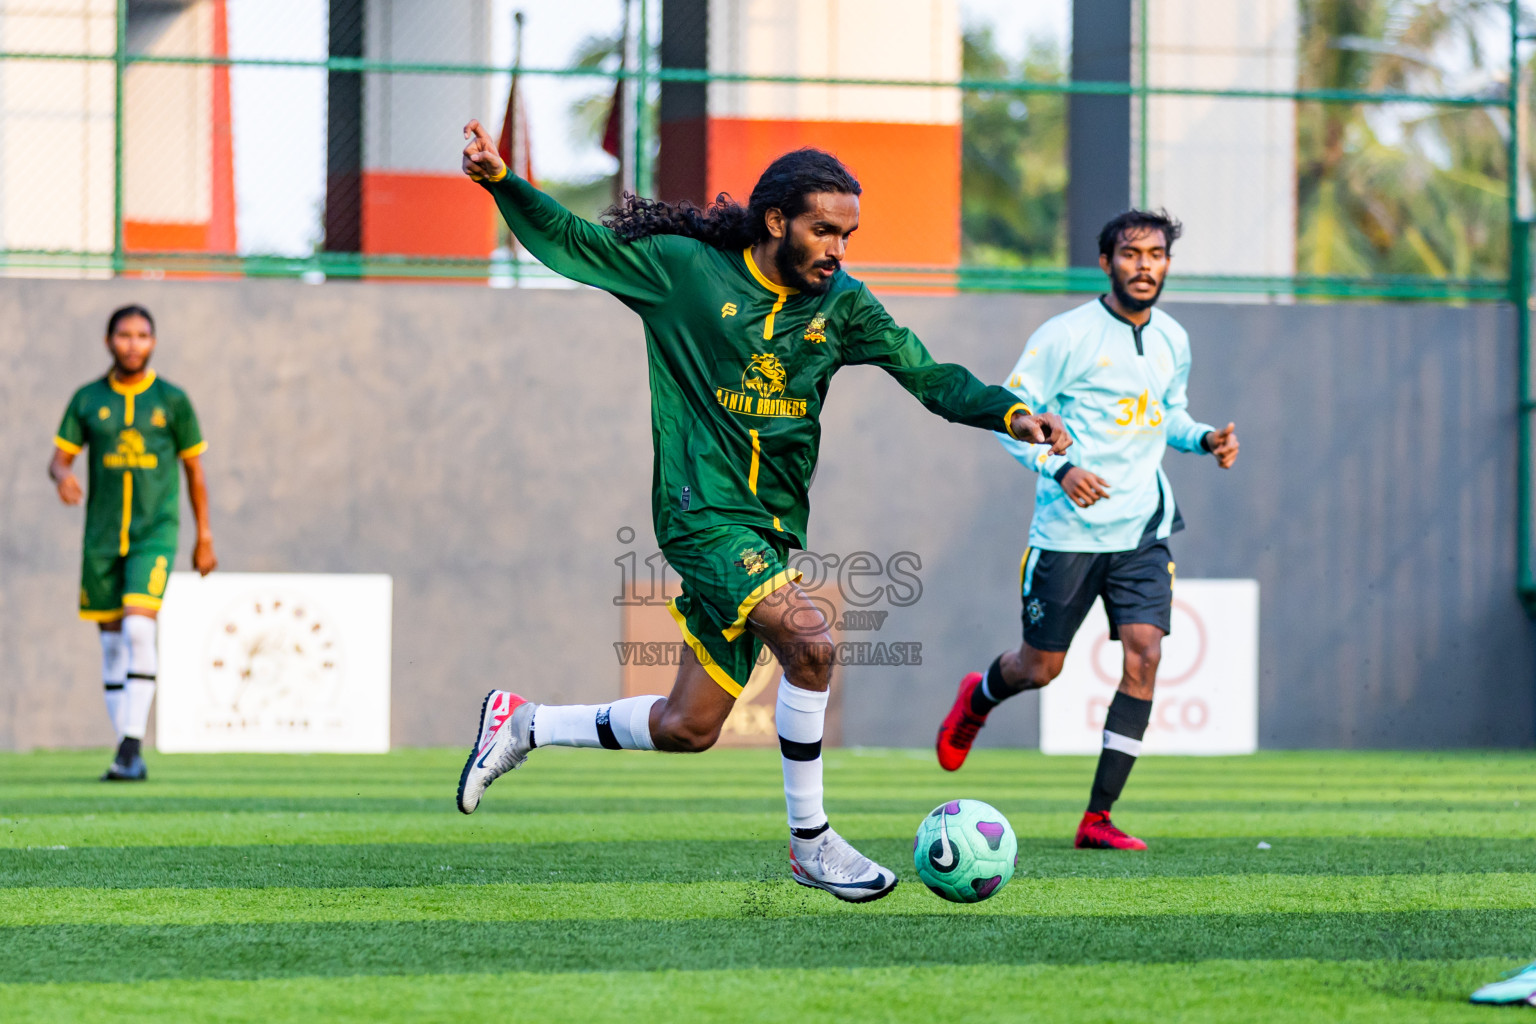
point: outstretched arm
(1188, 435)
(569, 245)
(947, 389)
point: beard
(788, 261)
(1129, 301)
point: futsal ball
(965, 851)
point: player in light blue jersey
(1115, 370)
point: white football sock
(800, 716)
(143, 665)
(114, 673)
(623, 725)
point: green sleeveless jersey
(136, 435)
(739, 367)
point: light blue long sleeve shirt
(1121, 391)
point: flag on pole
(512, 146)
(613, 131)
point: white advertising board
(1207, 698)
(274, 663)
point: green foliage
(1013, 159)
(1394, 190)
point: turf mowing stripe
(1221, 991)
(672, 803)
(449, 827)
(95, 952)
(660, 901)
(374, 865)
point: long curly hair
(726, 224)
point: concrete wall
(485, 448)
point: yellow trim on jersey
(67, 447)
(195, 450)
(500, 177)
(93, 616)
(128, 391)
(142, 601)
(716, 673)
(757, 451)
(776, 525)
(782, 292)
(1022, 563)
(755, 598)
(1008, 418)
(122, 546)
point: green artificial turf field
(592, 885)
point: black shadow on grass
(411, 864)
(80, 953)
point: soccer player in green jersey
(136, 426)
(747, 315)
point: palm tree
(1383, 191)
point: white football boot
(828, 862)
(501, 744)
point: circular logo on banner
(273, 654)
(1179, 663)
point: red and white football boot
(960, 726)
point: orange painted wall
(426, 215)
(910, 211)
(158, 236)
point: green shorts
(111, 582)
(725, 571)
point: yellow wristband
(1008, 418)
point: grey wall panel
(1375, 502)
(485, 447)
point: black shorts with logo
(1059, 587)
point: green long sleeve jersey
(739, 367)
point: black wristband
(1061, 474)
(1205, 442)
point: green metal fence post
(120, 70)
(1520, 298)
(1142, 105)
(642, 83)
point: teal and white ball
(965, 851)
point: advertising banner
(1207, 685)
(274, 663)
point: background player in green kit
(136, 426)
(747, 315)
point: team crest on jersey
(816, 330)
(157, 418)
(753, 561)
(103, 413)
(131, 453)
(762, 387)
(1035, 610)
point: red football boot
(960, 726)
(1097, 832)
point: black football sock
(1124, 727)
(128, 749)
(992, 691)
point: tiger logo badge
(765, 375)
(157, 418)
(816, 330)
